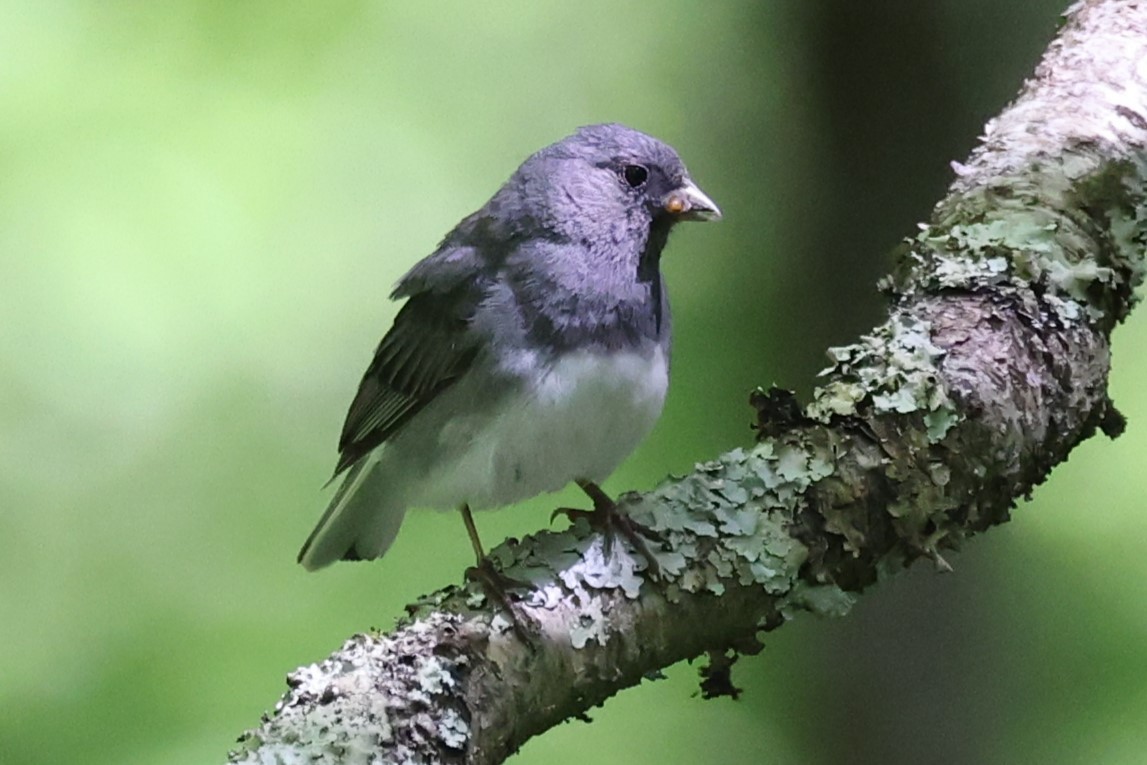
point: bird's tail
(361, 521)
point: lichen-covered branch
(991, 367)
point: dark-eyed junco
(533, 348)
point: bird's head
(605, 181)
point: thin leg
(493, 581)
(601, 501)
(472, 530)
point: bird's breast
(603, 396)
(579, 418)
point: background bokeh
(202, 207)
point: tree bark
(991, 367)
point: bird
(532, 349)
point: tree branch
(991, 367)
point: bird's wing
(429, 347)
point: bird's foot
(497, 585)
(607, 519)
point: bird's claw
(496, 584)
(608, 520)
(636, 534)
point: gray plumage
(532, 349)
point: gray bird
(532, 350)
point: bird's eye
(634, 175)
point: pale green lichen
(717, 528)
(939, 421)
(453, 730)
(717, 524)
(581, 563)
(894, 371)
(340, 710)
(591, 625)
(821, 599)
(434, 676)
(1034, 232)
(349, 724)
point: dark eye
(634, 175)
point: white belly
(578, 422)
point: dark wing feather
(428, 349)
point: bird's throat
(649, 266)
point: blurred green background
(202, 208)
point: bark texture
(991, 367)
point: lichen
(341, 709)
(894, 370)
(717, 523)
(1072, 231)
(453, 730)
(820, 599)
(591, 625)
(434, 677)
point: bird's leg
(609, 521)
(495, 583)
(472, 532)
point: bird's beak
(687, 202)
